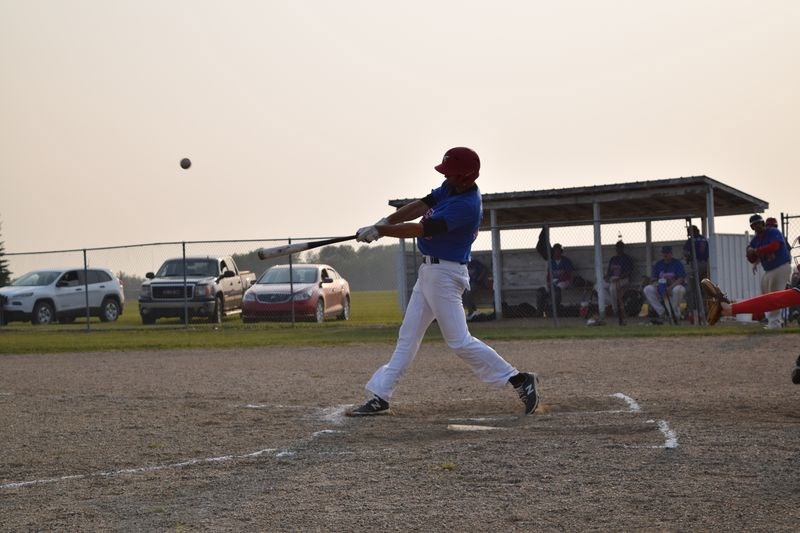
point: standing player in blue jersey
(768, 248)
(451, 215)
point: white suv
(43, 296)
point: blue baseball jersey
(774, 259)
(562, 269)
(462, 213)
(700, 246)
(668, 271)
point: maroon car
(313, 292)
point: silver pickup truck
(205, 286)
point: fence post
(185, 296)
(699, 309)
(86, 288)
(598, 264)
(551, 288)
(291, 282)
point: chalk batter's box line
(334, 415)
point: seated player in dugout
(559, 277)
(665, 292)
(479, 280)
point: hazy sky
(303, 118)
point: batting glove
(370, 233)
(367, 234)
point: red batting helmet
(460, 161)
(771, 222)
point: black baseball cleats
(528, 392)
(374, 406)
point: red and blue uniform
(771, 249)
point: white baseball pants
(772, 281)
(437, 295)
(654, 299)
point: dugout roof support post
(598, 263)
(497, 266)
(402, 287)
(713, 267)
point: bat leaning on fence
(620, 304)
(288, 249)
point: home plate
(468, 427)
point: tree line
(5, 273)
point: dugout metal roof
(676, 198)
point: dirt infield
(658, 434)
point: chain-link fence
(69, 287)
(790, 226)
(517, 286)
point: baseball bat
(670, 311)
(288, 249)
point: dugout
(699, 198)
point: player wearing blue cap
(451, 215)
(667, 283)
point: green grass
(375, 318)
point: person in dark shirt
(559, 277)
(618, 275)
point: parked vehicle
(213, 288)
(44, 296)
(315, 292)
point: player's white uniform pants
(772, 281)
(654, 300)
(437, 295)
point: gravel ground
(646, 434)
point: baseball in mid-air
(185, 163)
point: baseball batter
(451, 215)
